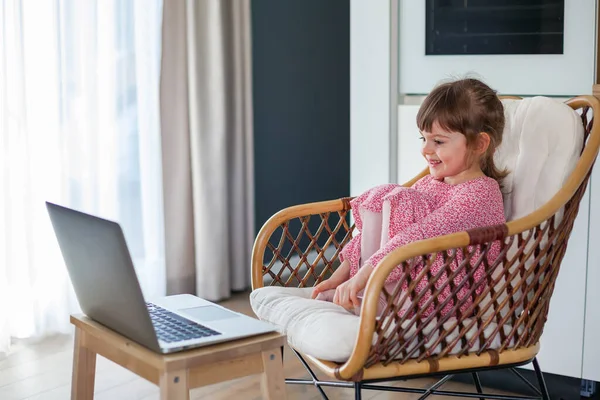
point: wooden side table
(176, 373)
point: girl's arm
(340, 275)
(351, 252)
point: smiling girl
(461, 125)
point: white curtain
(79, 126)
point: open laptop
(106, 285)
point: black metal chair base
(541, 393)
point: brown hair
(470, 107)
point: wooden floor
(42, 371)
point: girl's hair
(470, 107)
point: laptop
(106, 285)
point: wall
(373, 94)
(301, 75)
(519, 74)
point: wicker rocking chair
(502, 327)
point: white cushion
(541, 144)
(319, 328)
(328, 332)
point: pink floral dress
(428, 209)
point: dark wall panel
(301, 85)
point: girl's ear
(483, 142)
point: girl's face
(448, 156)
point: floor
(42, 371)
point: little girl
(461, 125)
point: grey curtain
(206, 123)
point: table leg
(174, 385)
(84, 369)
(273, 380)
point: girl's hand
(324, 286)
(340, 276)
(346, 294)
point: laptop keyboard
(171, 327)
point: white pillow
(319, 328)
(541, 144)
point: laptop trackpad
(208, 313)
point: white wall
(591, 356)
(410, 161)
(370, 83)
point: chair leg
(357, 394)
(478, 384)
(311, 373)
(435, 386)
(541, 381)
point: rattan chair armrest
(280, 218)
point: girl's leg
(385, 223)
(371, 233)
(327, 295)
(382, 303)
